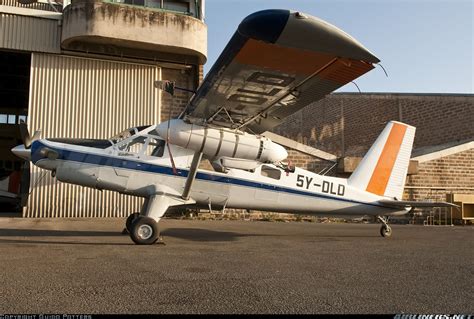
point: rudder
(383, 169)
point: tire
(130, 219)
(385, 231)
(144, 231)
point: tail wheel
(144, 231)
(385, 231)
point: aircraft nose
(22, 152)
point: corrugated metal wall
(36, 5)
(29, 33)
(77, 97)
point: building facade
(86, 68)
(346, 124)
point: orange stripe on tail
(381, 175)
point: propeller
(26, 137)
(25, 170)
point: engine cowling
(221, 142)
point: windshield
(126, 134)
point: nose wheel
(144, 230)
(385, 230)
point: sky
(426, 46)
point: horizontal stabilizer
(401, 203)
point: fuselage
(267, 188)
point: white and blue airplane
(276, 63)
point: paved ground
(86, 266)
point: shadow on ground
(198, 234)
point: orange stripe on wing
(301, 62)
(283, 59)
(381, 175)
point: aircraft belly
(216, 194)
(269, 200)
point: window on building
(11, 119)
(153, 3)
(271, 172)
(179, 6)
(22, 119)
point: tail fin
(383, 169)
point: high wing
(276, 63)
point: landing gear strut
(143, 227)
(385, 230)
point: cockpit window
(123, 135)
(156, 148)
(134, 145)
(142, 144)
(127, 133)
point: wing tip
(265, 25)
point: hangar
(86, 68)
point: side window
(155, 148)
(271, 172)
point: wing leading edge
(276, 63)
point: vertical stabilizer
(383, 169)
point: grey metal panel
(27, 33)
(79, 97)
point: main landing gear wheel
(144, 231)
(130, 220)
(128, 223)
(385, 231)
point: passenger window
(271, 172)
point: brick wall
(347, 124)
(310, 163)
(453, 171)
(184, 79)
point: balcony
(153, 29)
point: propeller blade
(25, 184)
(26, 137)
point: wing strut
(192, 175)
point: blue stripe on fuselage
(128, 163)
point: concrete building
(86, 68)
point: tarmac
(85, 266)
